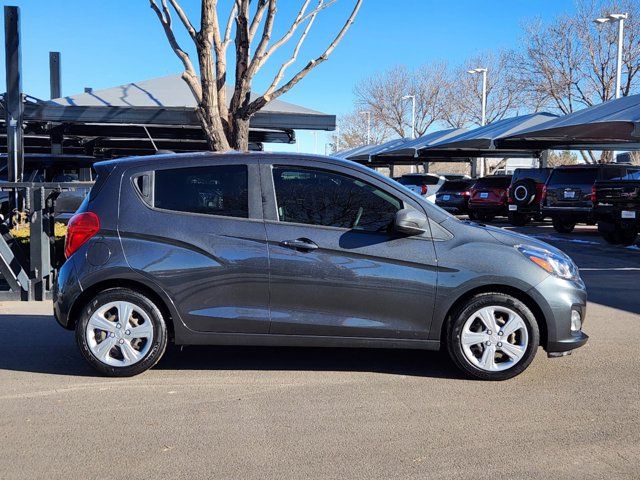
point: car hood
(507, 237)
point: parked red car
(489, 197)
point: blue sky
(108, 43)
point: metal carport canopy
(610, 125)
(163, 101)
(407, 152)
(483, 141)
(366, 153)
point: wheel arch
(498, 288)
(137, 286)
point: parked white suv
(424, 184)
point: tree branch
(255, 23)
(189, 74)
(183, 17)
(261, 101)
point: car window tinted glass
(319, 197)
(456, 185)
(418, 180)
(493, 182)
(213, 190)
(631, 174)
(583, 176)
(537, 174)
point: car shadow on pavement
(393, 361)
(35, 343)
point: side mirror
(410, 221)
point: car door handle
(299, 244)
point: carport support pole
(56, 134)
(544, 158)
(14, 108)
(54, 75)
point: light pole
(484, 105)
(620, 18)
(413, 114)
(368, 114)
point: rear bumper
(453, 206)
(65, 291)
(577, 214)
(557, 298)
(495, 208)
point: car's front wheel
(493, 336)
(121, 333)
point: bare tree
(353, 129)
(463, 102)
(382, 95)
(226, 123)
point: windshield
(493, 182)
(585, 176)
(418, 180)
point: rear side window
(493, 182)
(457, 185)
(579, 176)
(319, 197)
(537, 174)
(631, 174)
(419, 180)
(211, 190)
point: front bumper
(557, 298)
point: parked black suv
(525, 194)
(617, 207)
(278, 249)
(570, 193)
(454, 196)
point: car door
(337, 267)
(196, 230)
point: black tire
(563, 226)
(538, 217)
(627, 236)
(465, 311)
(473, 215)
(485, 217)
(518, 219)
(158, 342)
(611, 237)
(523, 192)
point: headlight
(558, 265)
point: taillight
(466, 194)
(593, 193)
(81, 228)
(423, 190)
(543, 197)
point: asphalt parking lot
(212, 412)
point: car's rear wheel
(485, 217)
(627, 236)
(121, 333)
(563, 226)
(493, 336)
(518, 219)
(473, 215)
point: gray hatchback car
(299, 250)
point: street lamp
(484, 104)
(620, 18)
(368, 114)
(413, 114)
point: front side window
(319, 197)
(212, 190)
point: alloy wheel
(119, 334)
(494, 338)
